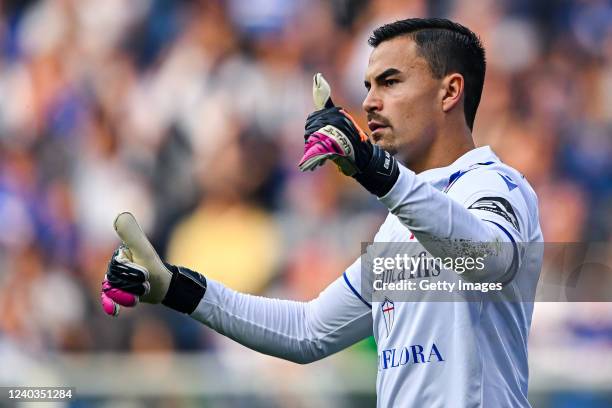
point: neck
(445, 148)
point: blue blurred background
(191, 114)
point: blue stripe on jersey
(511, 185)
(456, 175)
(354, 291)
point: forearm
(301, 332)
(298, 331)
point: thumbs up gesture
(136, 273)
(321, 92)
(331, 133)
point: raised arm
(441, 222)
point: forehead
(400, 53)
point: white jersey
(433, 354)
(463, 354)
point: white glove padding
(136, 272)
(143, 254)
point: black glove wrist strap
(381, 173)
(186, 289)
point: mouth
(376, 128)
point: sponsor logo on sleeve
(499, 206)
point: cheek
(418, 110)
(409, 115)
(411, 108)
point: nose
(372, 103)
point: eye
(390, 82)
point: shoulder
(495, 177)
(497, 187)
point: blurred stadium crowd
(190, 114)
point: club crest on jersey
(388, 311)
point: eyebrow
(383, 75)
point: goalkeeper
(424, 81)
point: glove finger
(314, 162)
(321, 92)
(128, 272)
(144, 255)
(318, 119)
(118, 295)
(108, 305)
(318, 144)
(138, 289)
(132, 235)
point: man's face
(404, 99)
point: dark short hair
(448, 47)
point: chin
(386, 146)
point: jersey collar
(438, 175)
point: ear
(452, 85)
